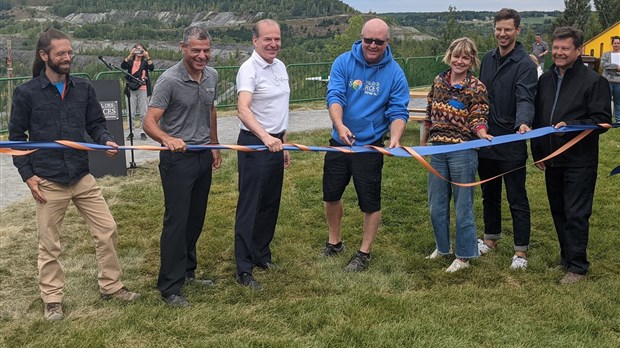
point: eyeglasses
(377, 42)
(71, 54)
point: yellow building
(601, 43)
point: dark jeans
(570, 192)
(260, 188)
(517, 200)
(186, 181)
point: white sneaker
(518, 262)
(457, 265)
(435, 255)
(483, 248)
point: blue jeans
(615, 93)
(459, 166)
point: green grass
(402, 300)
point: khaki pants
(88, 199)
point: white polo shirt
(270, 90)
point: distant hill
(111, 27)
(433, 23)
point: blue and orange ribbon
(20, 148)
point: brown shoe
(572, 278)
(53, 311)
(123, 294)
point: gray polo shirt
(187, 103)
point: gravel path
(13, 189)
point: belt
(275, 135)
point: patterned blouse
(455, 113)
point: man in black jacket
(510, 77)
(570, 94)
(57, 106)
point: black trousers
(517, 200)
(260, 188)
(186, 181)
(571, 192)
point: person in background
(54, 105)
(182, 112)
(569, 94)
(539, 50)
(510, 78)
(263, 89)
(611, 72)
(456, 112)
(138, 64)
(539, 70)
(367, 94)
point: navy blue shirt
(511, 85)
(39, 113)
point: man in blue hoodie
(367, 95)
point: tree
(453, 29)
(608, 12)
(576, 14)
(343, 42)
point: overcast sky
(382, 6)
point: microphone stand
(132, 163)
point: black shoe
(130, 136)
(247, 280)
(142, 136)
(268, 266)
(175, 300)
(332, 250)
(203, 282)
(359, 262)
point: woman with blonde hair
(539, 69)
(456, 112)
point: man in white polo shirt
(263, 97)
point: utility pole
(9, 74)
(9, 60)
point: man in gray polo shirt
(181, 113)
(540, 49)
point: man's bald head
(375, 38)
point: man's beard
(57, 68)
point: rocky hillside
(115, 31)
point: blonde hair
(463, 46)
(534, 59)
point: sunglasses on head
(377, 42)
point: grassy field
(402, 300)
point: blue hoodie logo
(356, 84)
(372, 88)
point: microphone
(110, 66)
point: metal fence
(308, 82)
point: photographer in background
(138, 64)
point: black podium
(109, 96)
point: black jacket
(144, 66)
(39, 114)
(511, 87)
(584, 99)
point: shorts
(366, 170)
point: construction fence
(308, 82)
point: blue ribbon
(398, 152)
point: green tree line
(279, 9)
